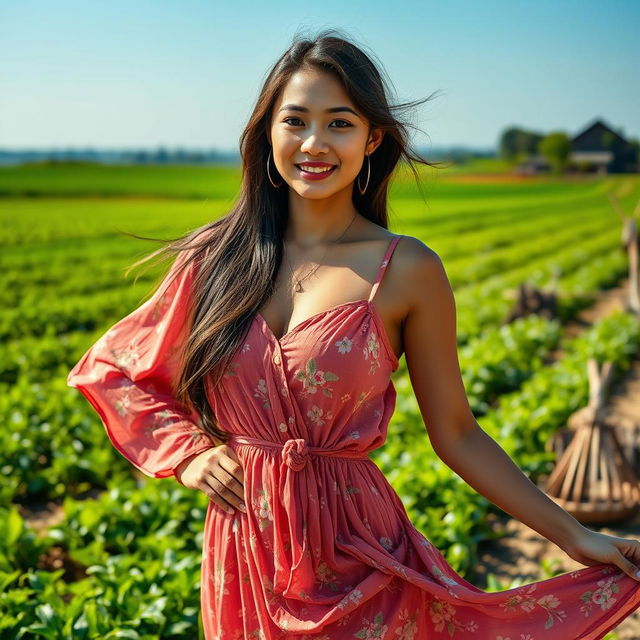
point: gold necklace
(298, 288)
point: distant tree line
(161, 155)
(517, 145)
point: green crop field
(123, 559)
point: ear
(375, 138)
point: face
(302, 130)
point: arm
(128, 377)
(431, 353)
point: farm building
(597, 149)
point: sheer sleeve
(129, 377)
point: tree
(516, 144)
(555, 148)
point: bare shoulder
(418, 270)
(415, 274)
(415, 254)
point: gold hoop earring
(368, 175)
(269, 174)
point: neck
(313, 222)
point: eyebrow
(295, 107)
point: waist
(296, 451)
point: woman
(259, 373)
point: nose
(314, 145)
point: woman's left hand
(591, 548)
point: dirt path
(521, 551)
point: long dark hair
(239, 254)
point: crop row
(95, 269)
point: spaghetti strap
(383, 266)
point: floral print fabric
(326, 549)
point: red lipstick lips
(316, 175)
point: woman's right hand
(217, 472)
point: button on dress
(326, 549)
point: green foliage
(53, 446)
(516, 143)
(555, 147)
(125, 597)
(140, 547)
(501, 358)
(131, 552)
(19, 545)
(120, 181)
(140, 518)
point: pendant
(299, 288)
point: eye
(347, 124)
(286, 120)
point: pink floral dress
(326, 549)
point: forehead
(313, 89)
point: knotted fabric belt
(296, 451)
(297, 516)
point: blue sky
(141, 74)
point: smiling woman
(312, 147)
(268, 394)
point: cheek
(285, 147)
(350, 149)
(351, 160)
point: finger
(231, 464)
(215, 497)
(627, 566)
(630, 549)
(633, 554)
(229, 477)
(225, 493)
